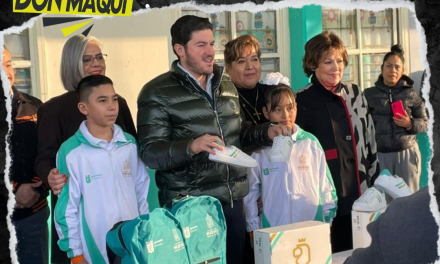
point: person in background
(5, 254)
(397, 146)
(108, 183)
(59, 118)
(303, 184)
(30, 211)
(186, 112)
(337, 114)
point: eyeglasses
(88, 59)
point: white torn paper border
(340, 4)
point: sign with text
(77, 7)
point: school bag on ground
(154, 238)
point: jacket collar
(321, 87)
(17, 95)
(185, 77)
(405, 82)
(26, 111)
(85, 137)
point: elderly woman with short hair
(59, 118)
(337, 114)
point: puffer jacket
(172, 110)
(389, 136)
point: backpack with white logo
(148, 239)
(204, 228)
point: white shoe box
(360, 220)
(305, 242)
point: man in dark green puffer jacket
(182, 113)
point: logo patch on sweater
(303, 163)
(126, 170)
(89, 178)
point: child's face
(284, 113)
(102, 107)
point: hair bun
(397, 49)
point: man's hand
(56, 181)
(205, 143)
(26, 194)
(403, 120)
(277, 130)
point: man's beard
(195, 67)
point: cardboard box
(360, 220)
(306, 242)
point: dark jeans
(235, 236)
(32, 238)
(5, 254)
(341, 234)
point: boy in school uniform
(107, 182)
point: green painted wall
(304, 23)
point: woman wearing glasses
(59, 118)
(397, 146)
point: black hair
(274, 96)
(86, 85)
(395, 50)
(183, 28)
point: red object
(331, 154)
(397, 107)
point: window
(367, 36)
(266, 26)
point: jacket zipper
(221, 131)
(114, 181)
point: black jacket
(345, 130)
(406, 233)
(23, 149)
(389, 136)
(172, 110)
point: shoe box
(360, 220)
(304, 242)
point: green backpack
(150, 238)
(204, 228)
(193, 231)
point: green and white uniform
(298, 190)
(107, 183)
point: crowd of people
(84, 147)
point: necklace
(254, 107)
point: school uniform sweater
(107, 183)
(298, 190)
